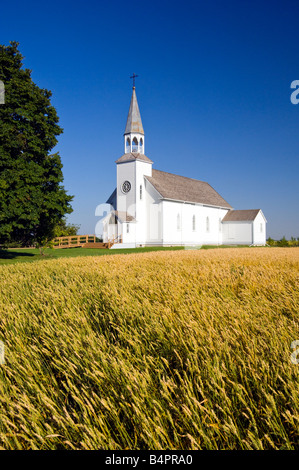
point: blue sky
(213, 91)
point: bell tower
(134, 133)
(132, 167)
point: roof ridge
(181, 176)
(244, 210)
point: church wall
(188, 235)
(142, 169)
(154, 215)
(129, 236)
(131, 202)
(126, 202)
(178, 225)
(245, 233)
(171, 234)
(259, 230)
(211, 226)
(112, 232)
(237, 233)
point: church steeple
(134, 133)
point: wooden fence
(84, 241)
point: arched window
(207, 224)
(178, 222)
(261, 228)
(140, 189)
(141, 144)
(128, 228)
(135, 145)
(193, 223)
(128, 145)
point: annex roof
(241, 215)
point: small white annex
(150, 207)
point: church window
(193, 223)
(128, 145)
(126, 187)
(140, 191)
(141, 144)
(261, 228)
(178, 222)
(128, 228)
(135, 145)
(207, 224)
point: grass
(161, 350)
(15, 255)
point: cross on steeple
(134, 76)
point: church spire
(134, 133)
(134, 123)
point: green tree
(283, 242)
(32, 198)
(63, 229)
(270, 241)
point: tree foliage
(283, 242)
(32, 198)
(63, 229)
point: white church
(150, 207)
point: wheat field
(166, 350)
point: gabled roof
(181, 188)
(241, 215)
(134, 123)
(124, 216)
(111, 198)
(131, 157)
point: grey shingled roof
(181, 188)
(247, 215)
(134, 123)
(131, 157)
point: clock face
(126, 186)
